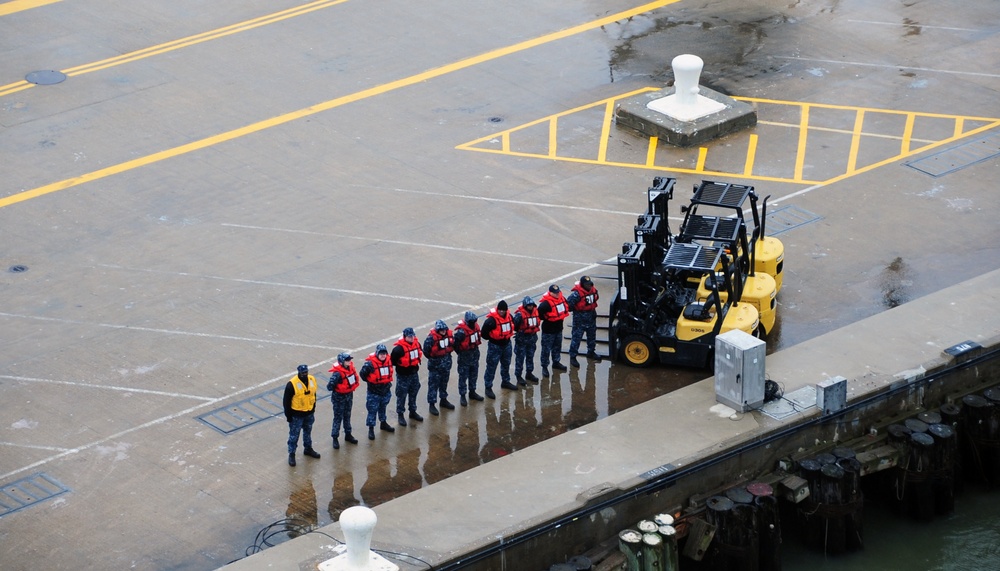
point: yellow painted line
(183, 42)
(856, 107)
(800, 154)
(844, 131)
(907, 133)
(651, 150)
(331, 104)
(852, 156)
(959, 125)
(751, 154)
(471, 144)
(553, 139)
(22, 5)
(609, 115)
(889, 160)
(505, 142)
(644, 166)
(702, 155)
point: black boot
(593, 356)
(385, 426)
(573, 361)
(311, 453)
(291, 459)
(348, 437)
(433, 409)
(336, 443)
(447, 405)
(558, 367)
(491, 394)
(531, 377)
(508, 386)
(416, 416)
(463, 401)
(371, 433)
(401, 419)
(475, 396)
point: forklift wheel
(637, 351)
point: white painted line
(500, 200)
(890, 66)
(270, 382)
(282, 284)
(921, 26)
(34, 446)
(169, 331)
(402, 242)
(107, 387)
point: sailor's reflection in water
(390, 478)
(302, 515)
(342, 496)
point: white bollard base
(343, 563)
(673, 107)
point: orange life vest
(472, 337)
(442, 344)
(504, 329)
(411, 352)
(530, 322)
(381, 370)
(558, 310)
(588, 299)
(348, 378)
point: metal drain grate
(27, 492)
(788, 217)
(248, 412)
(957, 158)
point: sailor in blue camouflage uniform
(438, 346)
(553, 310)
(343, 382)
(498, 330)
(377, 372)
(526, 326)
(406, 356)
(468, 337)
(582, 302)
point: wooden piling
(630, 544)
(918, 494)
(768, 526)
(975, 424)
(735, 543)
(944, 459)
(951, 414)
(853, 499)
(652, 552)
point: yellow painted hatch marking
(518, 141)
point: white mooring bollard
(685, 104)
(358, 523)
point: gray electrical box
(831, 395)
(739, 370)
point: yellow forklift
(757, 287)
(657, 317)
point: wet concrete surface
(196, 222)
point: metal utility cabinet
(739, 370)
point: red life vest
(588, 299)
(530, 323)
(558, 310)
(504, 329)
(411, 352)
(382, 370)
(472, 337)
(442, 344)
(348, 378)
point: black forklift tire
(637, 351)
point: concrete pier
(500, 515)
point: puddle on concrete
(372, 473)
